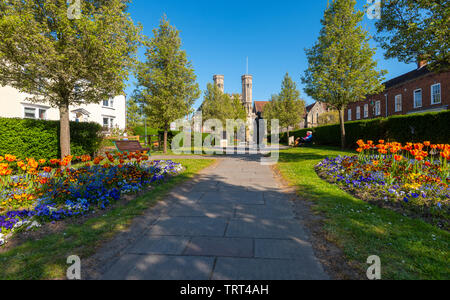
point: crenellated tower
(219, 82)
(247, 93)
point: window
(377, 108)
(358, 113)
(349, 114)
(108, 122)
(436, 93)
(366, 110)
(108, 103)
(398, 103)
(42, 113)
(30, 113)
(418, 98)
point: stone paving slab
(160, 267)
(266, 269)
(294, 249)
(223, 247)
(264, 212)
(202, 209)
(170, 245)
(189, 226)
(265, 228)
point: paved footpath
(234, 222)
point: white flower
(34, 225)
(2, 242)
(18, 224)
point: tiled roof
(259, 105)
(407, 77)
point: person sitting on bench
(306, 140)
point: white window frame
(349, 113)
(398, 103)
(421, 98)
(110, 103)
(110, 122)
(25, 112)
(432, 94)
(358, 113)
(366, 111)
(378, 108)
(36, 110)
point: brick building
(417, 91)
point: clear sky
(219, 35)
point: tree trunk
(64, 138)
(342, 121)
(165, 140)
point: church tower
(219, 82)
(247, 94)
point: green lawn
(46, 258)
(408, 248)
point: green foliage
(134, 114)
(219, 106)
(433, 127)
(39, 139)
(329, 118)
(167, 88)
(66, 61)
(341, 66)
(410, 30)
(287, 107)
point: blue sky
(219, 35)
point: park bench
(129, 146)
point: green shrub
(40, 139)
(433, 127)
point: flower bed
(411, 178)
(34, 192)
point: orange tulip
(398, 157)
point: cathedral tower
(219, 82)
(247, 95)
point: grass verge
(409, 248)
(46, 258)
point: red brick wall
(407, 91)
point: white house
(109, 113)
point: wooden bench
(129, 146)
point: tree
(220, 106)
(341, 67)
(329, 118)
(134, 114)
(412, 30)
(239, 112)
(166, 81)
(289, 108)
(66, 61)
(270, 111)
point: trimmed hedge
(40, 139)
(433, 127)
